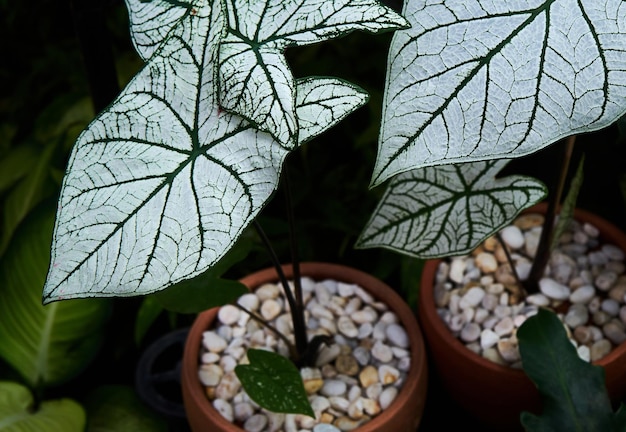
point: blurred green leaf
(16, 164)
(27, 193)
(572, 390)
(119, 409)
(49, 344)
(18, 414)
(274, 382)
(148, 312)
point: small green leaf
(273, 382)
(46, 344)
(119, 409)
(448, 209)
(573, 391)
(17, 415)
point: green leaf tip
(274, 382)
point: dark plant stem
(509, 259)
(292, 349)
(293, 307)
(302, 343)
(546, 240)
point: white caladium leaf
(484, 80)
(152, 20)
(448, 209)
(255, 80)
(161, 184)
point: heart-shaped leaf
(163, 182)
(255, 79)
(45, 344)
(17, 415)
(274, 382)
(499, 79)
(449, 209)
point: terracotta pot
(403, 415)
(495, 394)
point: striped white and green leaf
(447, 210)
(162, 183)
(486, 80)
(254, 77)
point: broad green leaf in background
(30, 190)
(254, 77)
(572, 390)
(17, 415)
(163, 182)
(50, 344)
(448, 209)
(274, 382)
(117, 408)
(489, 80)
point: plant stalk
(299, 325)
(547, 233)
(292, 350)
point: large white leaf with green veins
(152, 20)
(163, 182)
(255, 79)
(478, 80)
(448, 209)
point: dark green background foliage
(64, 60)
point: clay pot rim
(607, 231)
(315, 270)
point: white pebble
(249, 301)
(472, 297)
(346, 327)
(224, 408)
(553, 289)
(333, 387)
(582, 294)
(228, 314)
(512, 236)
(213, 342)
(382, 352)
(488, 338)
(387, 397)
(256, 423)
(396, 334)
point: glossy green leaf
(118, 409)
(448, 209)
(254, 77)
(164, 181)
(486, 80)
(17, 415)
(572, 390)
(274, 382)
(45, 344)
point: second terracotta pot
(403, 415)
(494, 394)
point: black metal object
(157, 378)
